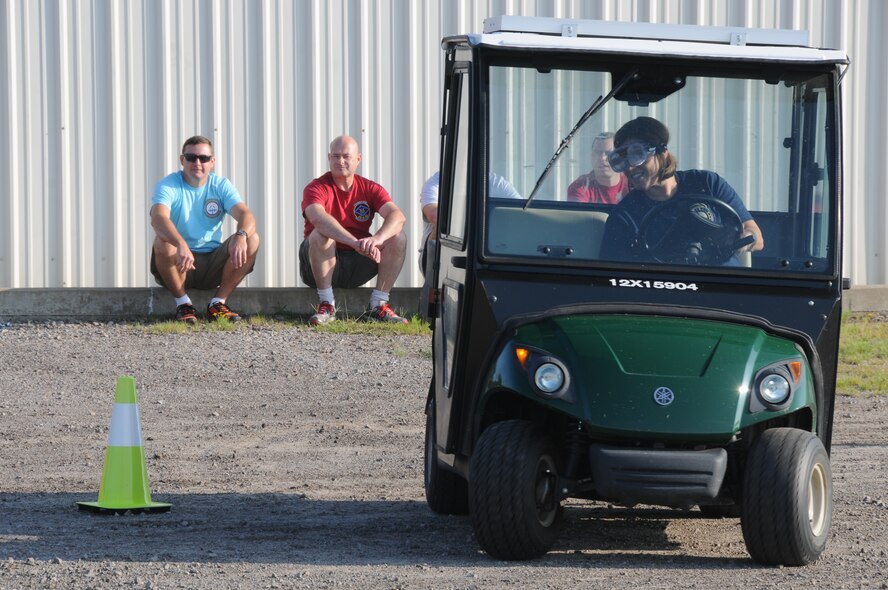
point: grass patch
(168, 327)
(416, 326)
(863, 354)
(177, 327)
(264, 321)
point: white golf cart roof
(685, 41)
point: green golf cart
(695, 368)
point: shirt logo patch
(213, 208)
(362, 211)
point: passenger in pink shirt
(602, 184)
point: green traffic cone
(125, 476)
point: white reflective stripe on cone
(125, 429)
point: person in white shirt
(497, 186)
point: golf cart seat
(546, 232)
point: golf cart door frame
(451, 253)
(817, 175)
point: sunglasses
(634, 154)
(193, 157)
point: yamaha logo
(664, 396)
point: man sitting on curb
(187, 210)
(338, 249)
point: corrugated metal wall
(96, 97)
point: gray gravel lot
(293, 459)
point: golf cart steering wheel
(692, 229)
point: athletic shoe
(220, 310)
(324, 313)
(186, 313)
(383, 313)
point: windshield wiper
(596, 106)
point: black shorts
(351, 271)
(208, 269)
(423, 258)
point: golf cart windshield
(748, 144)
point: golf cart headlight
(549, 377)
(774, 389)
(776, 384)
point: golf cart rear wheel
(787, 499)
(446, 492)
(512, 491)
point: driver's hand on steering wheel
(748, 244)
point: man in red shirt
(602, 184)
(338, 249)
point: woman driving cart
(673, 216)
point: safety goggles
(193, 157)
(634, 154)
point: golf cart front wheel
(513, 491)
(787, 499)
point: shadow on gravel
(288, 528)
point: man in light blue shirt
(187, 211)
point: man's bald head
(343, 159)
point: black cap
(646, 129)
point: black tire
(446, 492)
(787, 498)
(512, 491)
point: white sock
(327, 295)
(214, 301)
(183, 300)
(378, 297)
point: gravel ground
(293, 459)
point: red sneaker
(324, 313)
(219, 311)
(186, 313)
(383, 313)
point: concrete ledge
(155, 302)
(866, 298)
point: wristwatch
(241, 232)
